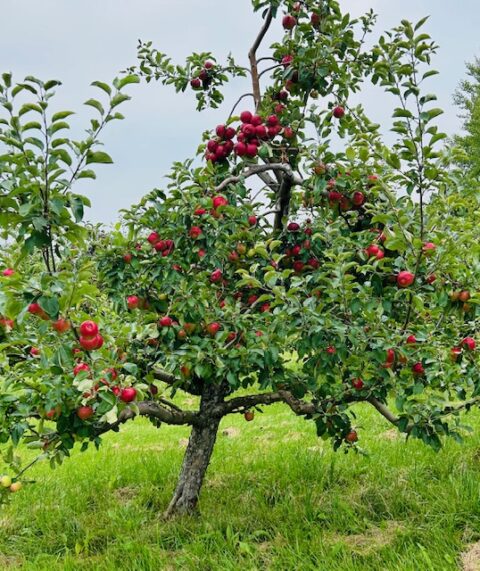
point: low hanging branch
(240, 404)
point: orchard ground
(276, 497)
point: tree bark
(198, 454)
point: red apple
(85, 412)
(153, 237)
(358, 384)
(338, 112)
(351, 437)
(165, 321)
(216, 276)
(133, 302)
(246, 117)
(88, 329)
(418, 369)
(127, 258)
(411, 340)
(213, 328)
(7, 272)
(249, 415)
(61, 325)
(219, 201)
(195, 232)
(428, 248)
(289, 22)
(128, 394)
(405, 279)
(195, 83)
(469, 343)
(358, 198)
(80, 367)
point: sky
(78, 42)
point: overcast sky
(84, 40)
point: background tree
(467, 97)
(344, 259)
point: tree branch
(240, 404)
(252, 56)
(257, 170)
(152, 410)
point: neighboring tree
(352, 261)
(467, 97)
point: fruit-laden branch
(252, 56)
(241, 404)
(257, 170)
(156, 411)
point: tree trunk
(197, 456)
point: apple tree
(298, 259)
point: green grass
(275, 498)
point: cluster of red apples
(253, 131)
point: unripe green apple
(6, 481)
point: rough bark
(198, 454)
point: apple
(351, 437)
(431, 279)
(358, 384)
(289, 22)
(127, 258)
(91, 343)
(286, 61)
(160, 246)
(219, 201)
(233, 257)
(252, 150)
(315, 20)
(411, 340)
(216, 276)
(153, 238)
(195, 83)
(358, 198)
(246, 117)
(16, 487)
(116, 391)
(405, 279)
(84, 412)
(390, 358)
(464, 296)
(213, 328)
(298, 266)
(288, 133)
(34, 309)
(61, 325)
(374, 251)
(112, 372)
(428, 248)
(338, 112)
(128, 394)
(88, 329)
(293, 227)
(240, 149)
(165, 321)
(7, 272)
(272, 120)
(5, 481)
(249, 415)
(34, 351)
(230, 132)
(331, 350)
(186, 371)
(455, 353)
(418, 369)
(469, 343)
(80, 367)
(133, 302)
(195, 232)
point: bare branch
(252, 56)
(238, 101)
(240, 404)
(257, 170)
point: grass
(276, 498)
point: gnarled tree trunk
(198, 454)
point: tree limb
(240, 404)
(152, 410)
(257, 170)
(252, 56)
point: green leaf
(98, 157)
(105, 87)
(120, 83)
(95, 103)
